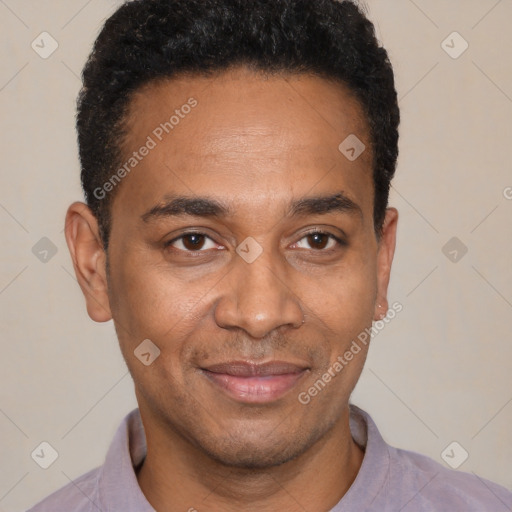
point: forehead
(246, 135)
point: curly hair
(147, 40)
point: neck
(176, 476)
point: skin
(255, 144)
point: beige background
(440, 372)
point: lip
(249, 382)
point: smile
(255, 383)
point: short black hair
(149, 40)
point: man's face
(260, 149)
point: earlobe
(89, 259)
(385, 255)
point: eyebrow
(175, 206)
(323, 205)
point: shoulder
(80, 495)
(428, 485)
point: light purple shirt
(389, 479)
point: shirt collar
(119, 488)
(118, 485)
(374, 470)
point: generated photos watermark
(363, 338)
(152, 140)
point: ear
(385, 254)
(89, 259)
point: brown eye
(192, 242)
(318, 240)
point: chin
(237, 451)
(254, 457)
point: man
(236, 160)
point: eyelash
(338, 240)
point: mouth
(248, 382)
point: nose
(259, 299)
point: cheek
(343, 298)
(342, 307)
(151, 297)
(148, 304)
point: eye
(320, 241)
(192, 242)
